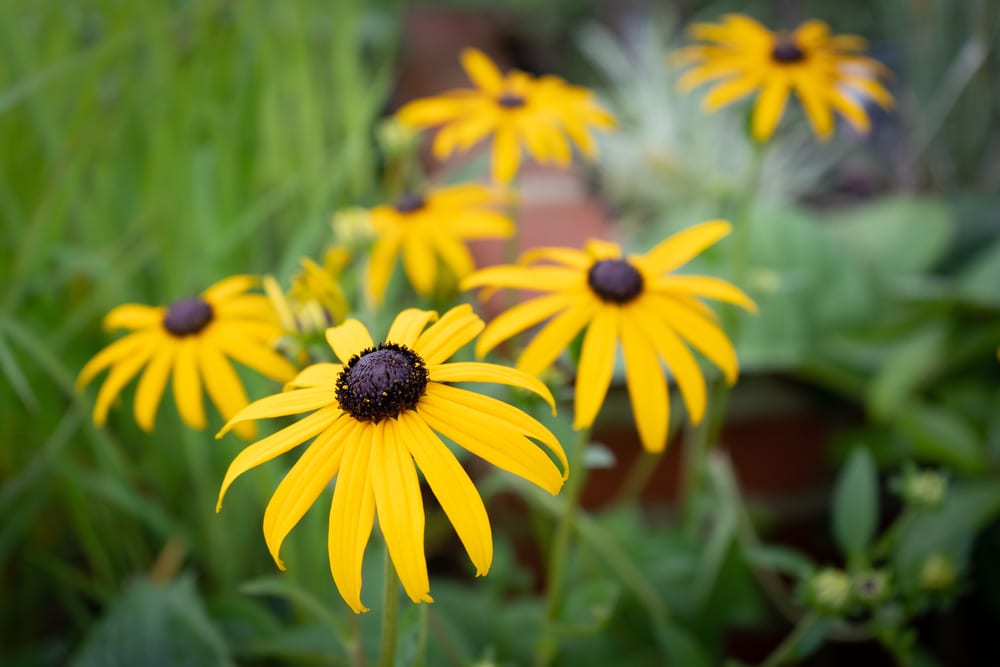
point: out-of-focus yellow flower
(826, 72)
(432, 228)
(315, 300)
(352, 226)
(192, 340)
(635, 300)
(517, 109)
(375, 418)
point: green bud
(830, 590)
(938, 573)
(871, 586)
(395, 138)
(925, 489)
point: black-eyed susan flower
(826, 72)
(635, 300)
(375, 419)
(517, 109)
(431, 229)
(315, 299)
(192, 341)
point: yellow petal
(247, 307)
(399, 507)
(655, 326)
(352, 514)
(816, 106)
(419, 263)
(502, 447)
(408, 324)
(480, 225)
(729, 91)
(679, 249)
(452, 487)
(300, 488)
(811, 34)
(149, 392)
(121, 373)
(454, 255)
(537, 278)
(701, 334)
(116, 351)
(228, 288)
(317, 375)
(281, 405)
(503, 415)
(380, 265)
(556, 336)
(647, 388)
(224, 388)
(431, 111)
(704, 286)
(280, 442)
(769, 107)
(133, 316)
(520, 317)
(869, 87)
(597, 364)
(696, 76)
(506, 155)
(471, 371)
(482, 72)
(851, 110)
(455, 328)
(569, 257)
(187, 383)
(231, 340)
(349, 339)
(598, 249)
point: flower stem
(390, 615)
(548, 641)
(786, 651)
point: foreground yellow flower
(629, 299)
(430, 228)
(517, 109)
(192, 340)
(826, 72)
(375, 416)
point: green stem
(390, 615)
(786, 652)
(548, 641)
(639, 474)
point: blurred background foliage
(150, 148)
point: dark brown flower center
(381, 382)
(410, 202)
(615, 280)
(786, 51)
(511, 101)
(187, 317)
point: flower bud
(937, 573)
(830, 590)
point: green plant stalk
(785, 653)
(390, 615)
(548, 641)
(705, 435)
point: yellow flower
(631, 299)
(375, 416)
(425, 228)
(315, 300)
(192, 340)
(517, 109)
(827, 72)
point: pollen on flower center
(381, 382)
(614, 280)
(187, 316)
(787, 51)
(409, 203)
(511, 101)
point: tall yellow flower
(635, 300)
(517, 109)
(826, 72)
(374, 422)
(191, 340)
(429, 227)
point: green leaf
(978, 281)
(589, 605)
(155, 626)
(910, 363)
(855, 503)
(411, 645)
(902, 234)
(940, 435)
(780, 559)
